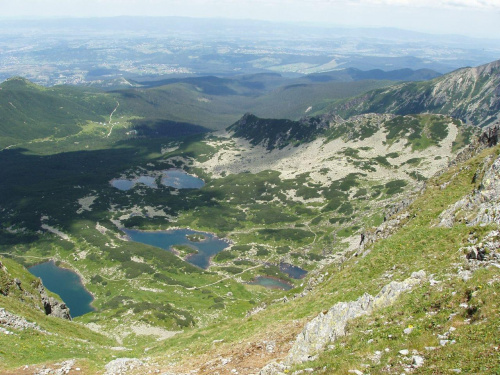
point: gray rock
(482, 206)
(408, 330)
(16, 322)
(52, 306)
(59, 309)
(327, 327)
(417, 361)
(465, 275)
(122, 365)
(274, 368)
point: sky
(477, 18)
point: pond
(67, 284)
(176, 178)
(271, 283)
(122, 184)
(207, 247)
(179, 179)
(293, 271)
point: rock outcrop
(52, 306)
(122, 365)
(483, 252)
(330, 325)
(481, 207)
(488, 138)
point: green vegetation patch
(395, 187)
(298, 236)
(224, 255)
(421, 131)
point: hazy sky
(466, 17)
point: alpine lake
(67, 284)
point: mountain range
(370, 207)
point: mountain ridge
(469, 94)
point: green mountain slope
(201, 102)
(448, 322)
(435, 321)
(28, 111)
(305, 193)
(469, 94)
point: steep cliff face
(470, 94)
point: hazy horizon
(472, 18)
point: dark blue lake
(179, 179)
(293, 271)
(67, 284)
(207, 248)
(271, 283)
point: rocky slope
(477, 209)
(469, 94)
(328, 326)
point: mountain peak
(18, 82)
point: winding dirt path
(110, 119)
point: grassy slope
(65, 339)
(191, 104)
(29, 111)
(418, 245)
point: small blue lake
(207, 248)
(179, 179)
(271, 283)
(67, 284)
(122, 184)
(293, 271)
(176, 178)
